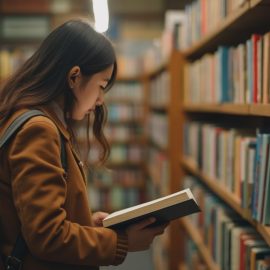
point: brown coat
(52, 213)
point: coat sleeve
(39, 191)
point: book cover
(263, 179)
(257, 166)
(249, 245)
(164, 209)
(249, 73)
(235, 253)
(266, 66)
(255, 40)
(256, 254)
(245, 237)
(223, 54)
(266, 200)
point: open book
(164, 209)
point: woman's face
(89, 94)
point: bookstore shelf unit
(197, 239)
(252, 17)
(232, 109)
(24, 24)
(164, 134)
(226, 196)
(123, 183)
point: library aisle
(190, 109)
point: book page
(126, 210)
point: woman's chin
(78, 117)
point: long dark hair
(43, 77)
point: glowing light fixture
(101, 13)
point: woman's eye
(103, 88)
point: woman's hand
(140, 236)
(98, 217)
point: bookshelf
(232, 109)
(125, 172)
(197, 239)
(17, 42)
(251, 15)
(249, 18)
(163, 131)
(226, 196)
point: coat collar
(53, 114)
(48, 110)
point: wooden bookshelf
(160, 107)
(216, 36)
(197, 239)
(127, 79)
(122, 101)
(260, 110)
(140, 185)
(49, 11)
(226, 196)
(233, 29)
(156, 71)
(137, 121)
(235, 109)
(218, 108)
(122, 164)
(158, 147)
(136, 141)
(171, 110)
(252, 17)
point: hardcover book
(164, 209)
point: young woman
(66, 79)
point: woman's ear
(74, 76)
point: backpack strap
(17, 123)
(14, 261)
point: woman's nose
(100, 99)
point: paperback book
(164, 209)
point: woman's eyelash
(104, 88)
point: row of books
(125, 112)
(158, 166)
(124, 133)
(158, 129)
(160, 53)
(116, 133)
(159, 90)
(203, 16)
(42, 6)
(120, 153)
(237, 74)
(114, 198)
(127, 153)
(12, 58)
(193, 260)
(232, 242)
(131, 91)
(144, 56)
(24, 27)
(238, 159)
(126, 177)
(128, 65)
